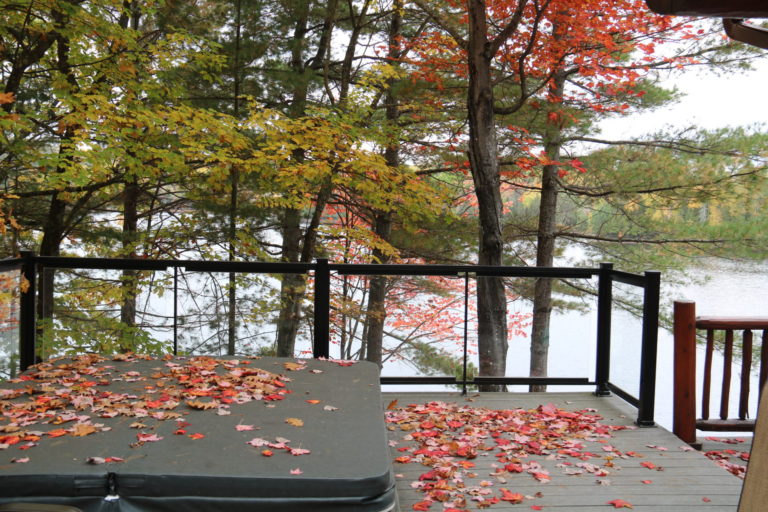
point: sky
(710, 102)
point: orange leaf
(196, 435)
(296, 422)
(313, 402)
(392, 405)
(620, 504)
(512, 497)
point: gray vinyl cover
(348, 467)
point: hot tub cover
(198, 433)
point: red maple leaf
(620, 504)
(512, 497)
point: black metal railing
(31, 265)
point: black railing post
(604, 305)
(175, 310)
(466, 333)
(645, 411)
(322, 308)
(27, 307)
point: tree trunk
(293, 286)
(129, 282)
(55, 223)
(288, 319)
(50, 245)
(234, 179)
(545, 245)
(491, 299)
(376, 313)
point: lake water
(729, 289)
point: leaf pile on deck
(73, 395)
(446, 437)
(737, 466)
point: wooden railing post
(684, 408)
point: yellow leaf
(296, 422)
(82, 429)
(199, 404)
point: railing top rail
(287, 267)
(452, 270)
(628, 278)
(192, 265)
(731, 322)
(11, 263)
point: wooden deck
(688, 481)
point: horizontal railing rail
(686, 326)
(322, 269)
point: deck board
(689, 481)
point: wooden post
(754, 492)
(684, 409)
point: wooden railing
(686, 420)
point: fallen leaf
(267, 453)
(148, 438)
(422, 505)
(22, 460)
(296, 471)
(243, 428)
(296, 422)
(512, 497)
(196, 435)
(647, 481)
(313, 402)
(392, 405)
(299, 451)
(707, 500)
(648, 464)
(294, 366)
(83, 429)
(200, 405)
(620, 504)
(330, 408)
